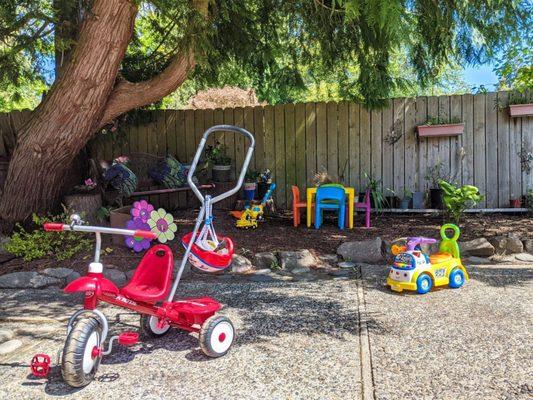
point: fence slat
(364, 150)
(310, 143)
(468, 139)
(479, 145)
(321, 138)
(354, 144)
(279, 135)
(399, 146)
(259, 140)
(299, 124)
(421, 118)
(411, 151)
(456, 143)
(332, 140)
(491, 150)
(290, 150)
(503, 153)
(342, 144)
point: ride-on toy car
(149, 292)
(414, 270)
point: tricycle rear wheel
(81, 354)
(150, 329)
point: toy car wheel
(150, 328)
(424, 284)
(216, 336)
(82, 354)
(457, 278)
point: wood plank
(332, 141)
(172, 144)
(504, 193)
(310, 143)
(299, 122)
(399, 146)
(239, 139)
(208, 123)
(364, 151)
(421, 118)
(479, 145)
(279, 134)
(456, 142)
(259, 132)
(353, 145)
(411, 144)
(189, 133)
(515, 144)
(491, 151)
(270, 143)
(376, 141)
(444, 142)
(344, 155)
(229, 140)
(321, 138)
(290, 150)
(388, 131)
(468, 139)
(250, 127)
(432, 143)
(527, 144)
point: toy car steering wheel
(412, 242)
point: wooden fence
(297, 140)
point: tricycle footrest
(191, 311)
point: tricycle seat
(151, 281)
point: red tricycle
(149, 292)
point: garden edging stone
(479, 247)
(366, 251)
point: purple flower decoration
(141, 209)
(137, 244)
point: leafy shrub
(32, 245)
(457, 199)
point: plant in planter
(220, 162)
(434, 175)
(520, 104)
(406, 199)
(457, 199)
(515, 202)
(85, 199)
(391, 200)
(250, 185)
(377, 197)
(437, 127)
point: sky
(480, 75)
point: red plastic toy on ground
(149, 292)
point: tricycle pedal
(128, 338)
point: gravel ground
(295, 341)
(470, 343)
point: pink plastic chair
(366, 206)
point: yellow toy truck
(414, 270)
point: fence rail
(297, 140)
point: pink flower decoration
(141, 209)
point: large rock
(525, 257)
(59, 273)
(240, 264)
(299, 260)
(10, 346)
(507, 245)
(72, 277)
(367, 251)
(478, 247)
(26, 279)
(116, 276)
(528, 246)
(265, 260)
(5, 335)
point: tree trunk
(65, 121)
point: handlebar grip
(53, 227)
(145, 234)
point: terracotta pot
(440, 130)
(515, 203)
(520, 110)
(118, 218)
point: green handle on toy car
(449, 245)
(456, 232)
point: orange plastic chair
(297, 203)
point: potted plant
(85, 199)
(250, 185)
(406, 199)
(458, 199)
(220, 162)
(520, 105)
(377, 199)
(391, 200)
(515, 202)
(418, 200)
(437, 127)
(434, 175)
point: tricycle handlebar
(58, 227)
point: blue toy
(330, 197)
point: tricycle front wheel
(216, 336)
(82, 354)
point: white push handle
(245, 164)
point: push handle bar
(412, 242)
(245, 164)
(58, 227)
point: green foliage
(435, 174)
(457, 199)
(289, 50)
(33, 245)
(375, 191)
(216, 155)
(443, 121)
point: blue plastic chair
(330, 198)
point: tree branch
(127, 95)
